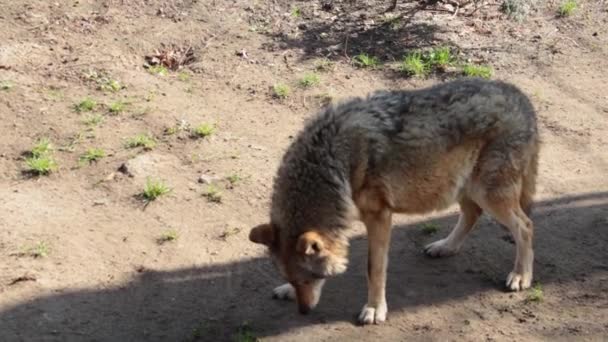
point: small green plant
(430, 228)
(366, 61)
(42, 147)
(296, 12)
(183, 76)
(234, 178)
(42, 165)
(536, 294)
(203, 130)
(103, 80)
(483, 71)
(324, 65)
(154, 189)
(213, 194)
(168, 236)
(309, 80)
(245, 334)
(171, 130)
(86, 105)
(280, 91)
(413, 64)
(41, 162)
(92, 155)
(39, 250)
(6, 85)
(440, 57)
(93, 120)
(158, 70)
(110, 85)
(117, 107)
(141, 140)
(567, 8)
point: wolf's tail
(529, 183)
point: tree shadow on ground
(212, 302)
(360, 28)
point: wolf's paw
(519, 281)
(373, 315)
(440, 248)
(285, 292)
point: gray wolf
(470, 141)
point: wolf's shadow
(213, 302)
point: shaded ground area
(83, 258)
(464, 292)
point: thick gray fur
(395, 129)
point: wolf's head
(306, 260)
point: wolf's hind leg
(469, 213)
(509, 213)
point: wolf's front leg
(378, 234)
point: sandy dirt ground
(81, 256)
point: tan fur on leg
(378, 231)
(469, 213)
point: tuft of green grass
(413, 64)
(324, 65)
(158, 70)
(41, 162)
(203, 130)
(567, 8)
(364, 60)
(183, 76)
(296, 12)
(234, 178)
(86, 105)
(42, 165)
(6, 85)
(430, 228)
(93, 120)
(483, 71)
(171, 130)
(42, 147)
(141, 140)
(110, 85)
(280, 91)
(213, 194)
(309, 80)
(245, 334)
(536, 294)
(92, 155)
(440, 57)
(117, 107)
(168, 236)
(39, 250)
(154, 189)
(103, 80)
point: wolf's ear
(310, 243)
(263, 234)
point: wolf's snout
(304, 309)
